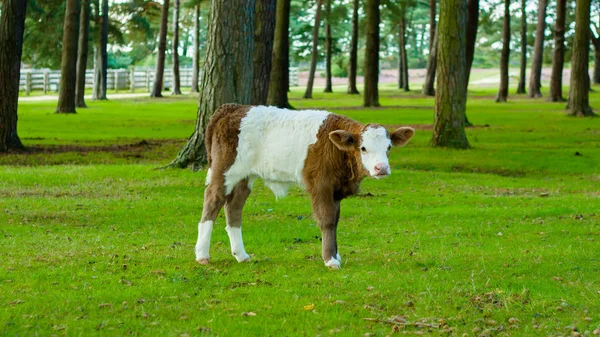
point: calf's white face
(375, 144)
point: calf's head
(372, 146)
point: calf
(327, 153)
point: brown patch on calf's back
(222, 135)
(328, 169)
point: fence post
(147, 80)
(132, 79)
(116, 80)
(27, 83)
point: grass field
(499, 240)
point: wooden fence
(117, 79)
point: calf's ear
(402, 135)
(344, 140)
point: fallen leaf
(249, 313)
(309, 307)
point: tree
(472, 27)
(162, 46)
(522, 71)
(224, 79)
(196, 55)
(579, 104)
(503, 91)
(352, 64)
(175, 49)
(451, 97)
(328, 47)
(371, 91)
(101, 53)
(315, 51)
(403, 58)
(538, 51)
(68, 67)
(12, 26)
(596, 43)
(558, 59)
(428, 89)
(82, 53)
(264, 29)
(280, 65)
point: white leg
(333, 263)
(203, 243)
(237, 244)
(338, 257)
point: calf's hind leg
(214, 199)
(233, 211)
(326, 212)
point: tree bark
(450, 99)
(503, 90)
(315, 51)
(558, 58)
(100, 53)
(579, 104)
(596, 43)
(12, 26)
(68, 64)
(428, 86)
(472, 26)
(227, 71)
(103, 48)
(371, 90)
(196, 56)
(162, 46)
(264, 29)
(328, 47)
(175, 49)
(352, 65)
(280, 64)
(400, 63)
(402, 34)
(523, 69)
(538, 52)
(82, 53)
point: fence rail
(117, 79)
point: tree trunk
(175, 49)
(68, 64)
(280, 65)
(596, 43)
(227, 71)
(328, 47)
(472, 26)
(162, 46)
(579, 104)
(403, 55)
(400, 62)
(315, 51)
(352, 66)
(538, 52)
(196, 56)
(558, 58)
(523, 69)
(371, 90)
(103, 47)
(82, 54)
(450, 99)
(428, 86)
(12, 26)
(264, 29)
(503, 91)
(100, 55)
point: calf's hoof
(242, 257)
(203, 261)
(333, 264)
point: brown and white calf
(326, 153)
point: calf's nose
(382, 169)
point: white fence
(117, 79)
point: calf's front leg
(326, 211)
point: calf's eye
(363, 149)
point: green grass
(95, 241)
